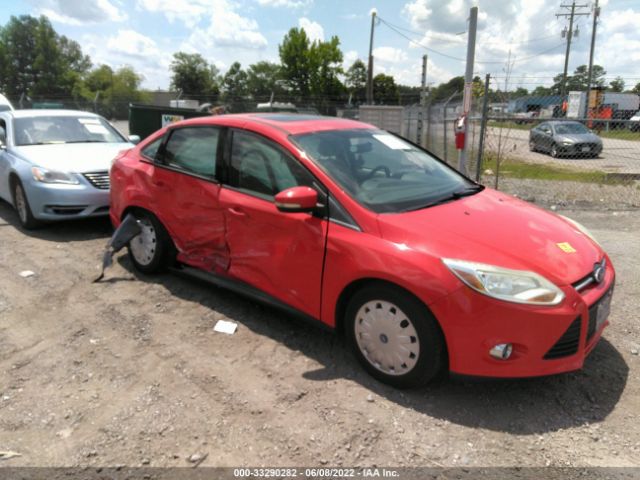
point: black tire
(553, 151)
(429, 349)
(160, 253)
(21, 204)
(532, 146)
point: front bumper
(51, 201)
(473, 323)
(580, 149)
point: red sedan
(365, 233)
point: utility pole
(423, 98)
(569, 33)
(370, 70)
(468, 82)
(596, 14)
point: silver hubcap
(386, 337)
(143, 246)
(21, 204)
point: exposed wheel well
(13, 179)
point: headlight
(52, 176)
(568, 142)
(581, 228)
(518, 286)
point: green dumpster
(146, 119)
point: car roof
(49, 113)
(289, 123)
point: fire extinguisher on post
(459, 129)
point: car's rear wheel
(152, 250)
(394, 336)
(21, 203)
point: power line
(422, 34)
(486, 62)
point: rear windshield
(382, 171)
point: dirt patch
(130, 372)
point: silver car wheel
(21, 204)
(386, 337)
(143, 246)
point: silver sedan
(54, 164)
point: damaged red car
(365, 233)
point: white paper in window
(392, 142)
(99, 129)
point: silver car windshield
(569, 128)
(44, 130)
(382, 171)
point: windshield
(382, 171)
(63, 129)
(571, 128)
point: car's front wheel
(394, 336)
(21, 203)
(554, 152)
(152, 250)
(532, 146)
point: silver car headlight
(518, 286)
(53, 176)
(567, 142)
(581, 228)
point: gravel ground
(565, 194)
(130, 372)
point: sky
(519, 42)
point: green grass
(517, 169)
(621, 135)
(511, 125)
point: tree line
(37, 63)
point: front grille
(568, 343)
(98, 179)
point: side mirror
(297, 200)
(135, 139)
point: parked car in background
(525, 117)
(358, 230)
(5, 104)
(634, 122)
(564, 138)
(54, 164)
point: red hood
(494, 228)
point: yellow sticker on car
(566, 247)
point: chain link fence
(519, 145)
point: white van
(5, 104)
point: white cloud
(226, 28)
(79, 12)
(389, 55)
(189, 12)
(133, 44)
(418, 13)
(285, 3)
(314, 29)
(348, 58)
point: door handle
(238, 212)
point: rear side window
(192, 150)
(151, 150)
(258, 166)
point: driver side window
(261, 168)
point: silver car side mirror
(135, 139)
